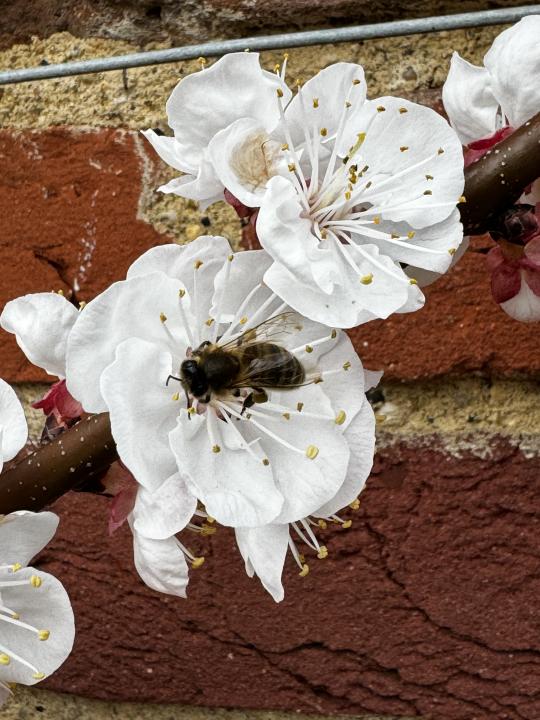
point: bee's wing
(261, 372)
(274, 329)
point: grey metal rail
(271, 42)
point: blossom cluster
(235, 396)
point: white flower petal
(23, 534)
(205, 102)
(264, 550)
(525, 306)
(360, 434)
(469, 101)
(46, 607)
(401, 148)
(230, 285)
(164, 512)
(41, 323)
(236, 488)
(161, 564)
(13, 427)
(513, 63)
(142, 410)
(202, 185)
(331, 88)
(129, 308)
(167, 149)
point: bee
(255, 360)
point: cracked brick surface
(426, 607)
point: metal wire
(272, 42)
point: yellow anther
(355, 504)
(210, 519)
(277, 68)
(197, 562)
(44, 634)
(347, 524)
(394, 236)
(361, 137)
(347, 195)
(163, 317)
(413, 281)
(462, 199)
(82, 305)
(404, 148)
(201, 61)
(324, 234)
(322, 524)
(380, 418)
(4, 659)
(381, 108)
(209, 321)
(411, 234)
(287, 416)
(197, 264)
(323, 552)
(230, 258)
(312, 451)
(324, 132)
(292, 167)
(367, 279)
(340, 417)
(279, 92)
(266, 461)
(315, 102)
(452, 251)
(181, 293)
(216, 449)
(429, 177)
(285, 146)
(298, 82)
(16, 566)
(304, 571)
(243, 320)
(308, 349)
(191, 411)
(356, 81)
(403, 110)
(299, 406)
(285, 55)
(333, 334)
(346, 365)
(176, 396)
(440, 151)
(60, 292)
(376, 220)
(35, 581)
(428, 192)
(38, 676)
(15, 616)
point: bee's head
(194, 378)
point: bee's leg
(173, 377)
(260, 396)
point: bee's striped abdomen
(272, 366)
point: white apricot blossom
(278, 461)
(36, 620)
(346, 192)
(208, 107)
(505, 92)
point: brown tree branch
(495, 182)
(492, 185)
(79, 454)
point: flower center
(255, 160)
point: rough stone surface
(193, 21)
(426, 606)
(33, 703)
